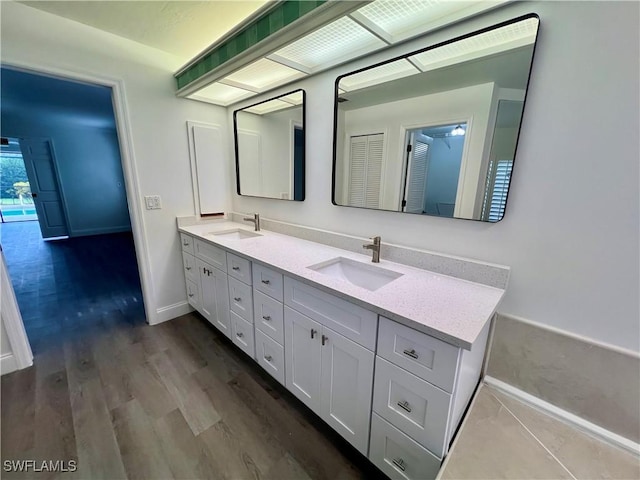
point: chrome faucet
(375, 247)
(255, 220)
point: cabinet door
(214, 297)
(346, 385)
(193, 294)
(302, 357)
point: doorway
(432, 169)
(16, 198)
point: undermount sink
(360, 274)
(235, 234)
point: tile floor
(505, 439)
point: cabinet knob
(237, 299)
(313, 333)
(190, 295)
(267, 318)
(186, 244)
(405, 406)
(239, 334)
(188, 268)
(266, 282)
(398, 462)
(268, 358)
(235, 268)
(411, 353)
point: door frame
(131, 178)
(54, 161)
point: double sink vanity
(387, 354)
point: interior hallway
(126, 400)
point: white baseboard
(564, 416)
(8, 363)
(170, 312)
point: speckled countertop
(444, 307)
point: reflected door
(418, 152)
(41, 170)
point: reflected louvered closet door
(365, 171)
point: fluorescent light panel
(374, 76)
(267, 107)
(221, 94)
(330, 44)
(264, 74)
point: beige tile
(595, 383)
(585, 457)
(493, 444)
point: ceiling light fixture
(458, 131)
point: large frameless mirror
(434, 132)
(269, 142)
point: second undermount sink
(360, 274)
(236, 234)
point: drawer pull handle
(190, 295)
(188, 268)
(405, 406)
(313, 333)
(411, 353)
(239, 334)
(186, 244)
(266, 282)
(235, 268)
(268, 358)
(324, 339)
(398, 462)
(237, 299)
(267, 318)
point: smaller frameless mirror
(434, 132)
(269, 142)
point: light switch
(152, 202)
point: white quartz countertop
(445, 307)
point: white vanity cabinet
(241, 303)
(422, 386)
(328, 372)
(214, 296)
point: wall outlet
(152, 202)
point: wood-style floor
(176, 400)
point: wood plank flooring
(176, 400)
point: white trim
(100, 231)
(170, 312)
(575, 336)
(564, 416)
(8, 363)
(132, 184)
(12, 320)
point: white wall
(5, 346)
(157, 118)
(90, 170)
(571, 230)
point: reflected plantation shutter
(365, 171)
(494, 209)
(417, 178)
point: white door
(346, 386)
(419, 149)
(214, 296)
(302, 357)
(249, 163)
(43, 179)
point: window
(495, 197)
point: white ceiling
(182, 28)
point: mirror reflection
(269, 142)
(434, 132)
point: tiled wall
(599, 384)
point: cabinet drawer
(350, 320)
(212, 255)
(398, 456)
(193, 294)
(425, 356)
(270, 355)
(268, 316)
(242, 334)
(267, 281)
(187, 243)
(239, 268)
(240, 299)
(189, 262)
(416, 407)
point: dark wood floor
(176, 400)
